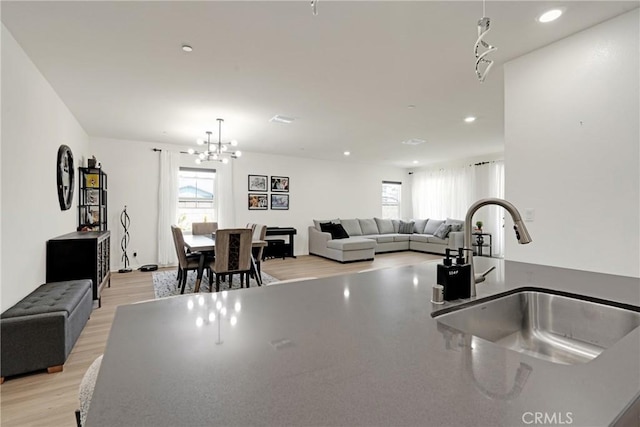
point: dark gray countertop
(359, 349)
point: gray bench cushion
(49, 298)
(351, 244)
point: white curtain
(167, 206)
(448, 193)
(224, 191)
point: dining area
(221, 253)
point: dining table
(205, 244)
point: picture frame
(280, 202)
(93, 197)
(258, 183)
(258, 201)
(280, 184)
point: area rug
(165, 283)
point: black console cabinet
(80, 255)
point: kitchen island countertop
(358, 349)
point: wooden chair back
(259, 233)
(233, 250)
(178, 240)
(203, 228)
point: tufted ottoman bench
(40, 330)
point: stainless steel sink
(558, 327)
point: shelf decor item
(65, 177)
(479, 224)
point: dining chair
(259, 233)
(233, 255)
(203, 228)
(185, 262)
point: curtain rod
(160, 149)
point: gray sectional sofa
(367, 237)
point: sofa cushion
(405, 227)
(432, 226)
(337, 232)
(423, 238)
(442, 231)
(456, 224)
(396, 225)
(351, 244)
(401, 237)
(352, 226)
(418, 225)
(381, 238)
(385, 226)
(434, 239)
(316, 222)
(368, 226)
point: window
(196, 197)
(391, 196)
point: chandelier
(216, 151)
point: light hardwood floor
(43, 399)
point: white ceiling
(347, 75)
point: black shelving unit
(92, 204)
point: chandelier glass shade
(215, 151)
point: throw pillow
(338, 232)
(419, 225)
(405, 227)
(456, 224)
(432, 226)
(326, 227)
(443, 231)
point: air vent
(414, 141)
(281, 119)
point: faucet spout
(522, 234)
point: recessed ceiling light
(347, 153)
(414, 141)
(187, 48)
(281, 119)
(470, 119)
(550, 15)
(411, 106)
(415, 162)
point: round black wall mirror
(66, 173)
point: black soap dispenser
(463, 276)
(446, 277)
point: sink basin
(555, 326)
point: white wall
(572, 149)
(318, 189)
(35, 123)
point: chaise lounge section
(360, 239)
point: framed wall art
(258, 201)
(258, 183)
(280, 184)
(280, 201)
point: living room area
(556, 133)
